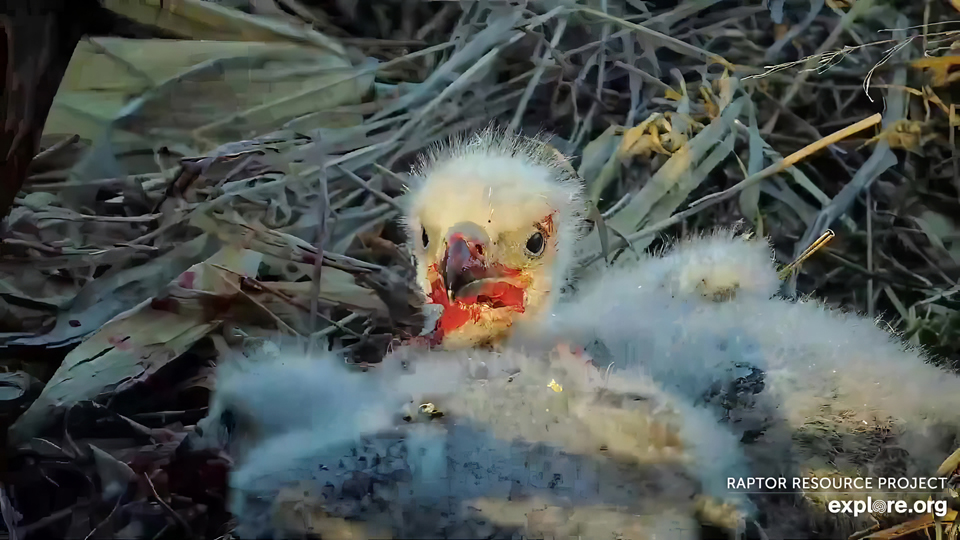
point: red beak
(463, 263)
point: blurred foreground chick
(716, 267)
(464, 444)
(809, 390)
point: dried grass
(253, 185)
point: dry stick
(341, 324)
(435, 21)
(287, 179)
(324, 204)
(289, 301)
(593, 44)
(644, 75)
(842, 24)
(870, 300)
(795, 157)
(955, 113)
(537, 74)
(47, 521)
(465, 78)
(461, 81)
(9, 513)
(365, 185)
(102, 219)
(56, 148)
(715, 198)
(602, 59)
(824, 239)
(177, 518)
(671, 43)
(389, 173)
(102, 523)
(352, 74)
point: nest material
(106, 245)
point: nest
(253, 186)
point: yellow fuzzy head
(492, 225)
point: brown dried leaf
(133, 345)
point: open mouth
(471, 288)
(496, 292)
(469, 302)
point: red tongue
(498, 294)
(456, 314)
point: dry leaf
(645, 138)
(598, 166)
(904, 134)
(912, 526)
(207, 21)
(106, 297)
(674, 181)
(197, 95)
(942, 69)
(133, 345)
(949, 465)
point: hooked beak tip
(462, 265)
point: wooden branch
(38, 39)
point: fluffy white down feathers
(510, 453)
(710, 376)
(808, 391)
(813, 391)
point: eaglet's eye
(423, 236)
(535, 244)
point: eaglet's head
(492, 226)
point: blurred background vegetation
(178, 167)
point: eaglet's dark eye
(535, 244)
(424, 237)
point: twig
(341, 324)
(365, 185)
(667, 41)
(794, 158)
(56, 148)
(955, 152)
(42, 523)
(602, 58)
(857, 9)
(461, 81)
(537, 74)
(177, 518)
(715, 198)
(435, 21)
(324, 211)
(644, 75)
(105, 520)
(289, 300)
(9, 513)
(870, 300)
(813, 248)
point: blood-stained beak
(464, 260)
